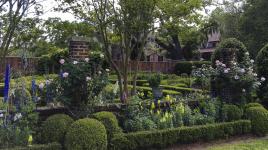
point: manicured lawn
(247, 145)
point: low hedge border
(50, 146)
(183, 135)
(147, 89)
(183, 90)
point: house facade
(209, 47)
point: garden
(81, 98)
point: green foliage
(22, 122)
(262, 69)
(259, 120)
(55, 128)
(237, 47)
(80, 83)
(49, 146)
(187, 66)
(86, 134)
(154, 80)
(253, 31)
(231, 113)
(49, 63)
(164, 138)
(249, 105)
(110, 122)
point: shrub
(249, 105)
(259, 120)
(164, 138)
(50, 63)
(231, 113)
(49, 146)
(187, 66)
(154, 80)
(133, 125)
(231, 43)
(110, 122)
(262, 69)
(55, 128)
(86, 134)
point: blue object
(34, 90)
(7, 80)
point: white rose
(242, 70)
(223, 65)
(75, 62)
(99, 72)
(226, 71)
(244, 90)
(217, 61)
(263, 79)
(255, 74)
(86, 59)
(88, 78)
(252, 61)
(41, 85)
(107, 70)
(101, 56)
(236, 77)
(65, 74)
(247, 53)
(62, 61)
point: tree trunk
(178, 49)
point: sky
(48, 6)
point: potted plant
(154, 83)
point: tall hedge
(55, 127)
(233, 43)
(86, 134)
(262, 70)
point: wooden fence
(18, 65)
(147, 66)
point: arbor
(125, 23)
(12, 12)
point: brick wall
(78, 47)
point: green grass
(251, 145)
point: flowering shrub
(233, 83)
(80, 82)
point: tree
(175, 16)
(254, 25)
(125, 23)
(12, 12)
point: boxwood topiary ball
(55, 128)
(231, 113)
(110, 122)
(86, 134)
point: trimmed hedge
(187, 66)
(231, 113)
(49, 146)
(55, 128)
(148, 89)
(252, 105)
(259, 119)
(183, 90)
(110, 122)
(86, 134)
(167, 137)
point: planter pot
(157, 92)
